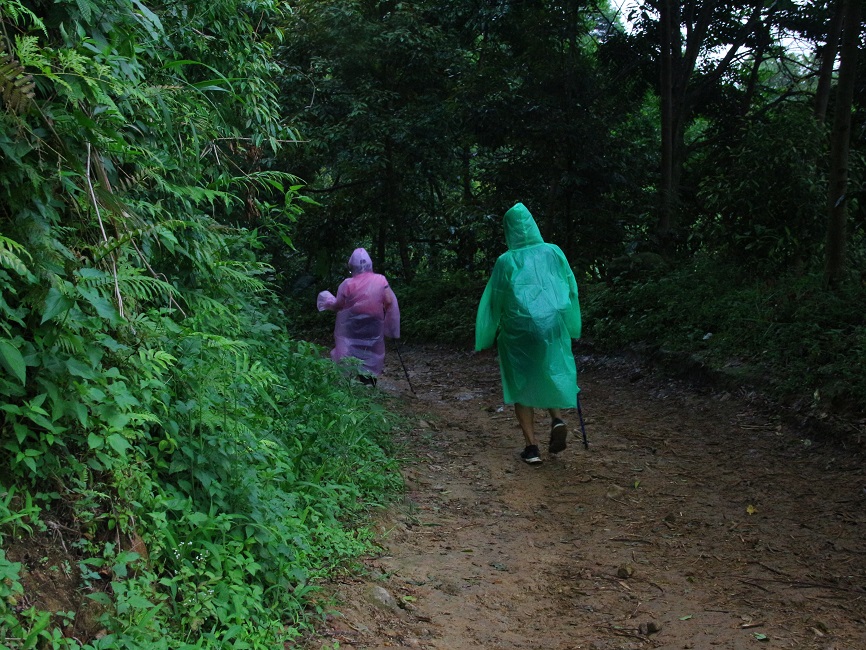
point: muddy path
(696, 519)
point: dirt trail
(694, 520)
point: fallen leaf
(750, 509)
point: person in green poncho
(530, 311)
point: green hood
(520, 228)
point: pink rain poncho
(367, 312)
(530, 310)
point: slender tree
(699, 44)
(840, 144)
(827, 57)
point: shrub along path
(694, 520)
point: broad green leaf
(90, 273)
(12, 361)
(80, 411)
(155, 27)
(28, 460)
(80, 369)
(21, 432)
(119, 443)
(102, 306)
(208, 85)
(56, 303)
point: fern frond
(10, 257)
(16, 86)
(195, 194)
(282, 181)
(132, 284)
(160, 359)
(106, 247)
(17, 12)
(70, 343)
(143, 287)
(224, 343)
(140, 417)
(254, 372)
(87, 9)
(28, 51)
(239, 274)
(129, 182)
(207, 308)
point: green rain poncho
(530, 310)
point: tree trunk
(388, 218)
(753, 76)
(467, 175)
(381, 236)
(405, 258)
(839, 146)
(667, 120)
(828, 60)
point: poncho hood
(360, 262)
(520, 228)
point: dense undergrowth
(207, 523)
(787, 335)
(175, 470)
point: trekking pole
(582, 428)
(405, 372)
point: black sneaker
(531, 455)
(558, 434)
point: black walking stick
(582, 428)
(399, 356)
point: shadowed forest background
(179, 180)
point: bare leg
(526, 419)
(555, 414)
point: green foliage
(763, 203)
(791, 335)
(366, 84)
(441, 308)
(213, 468)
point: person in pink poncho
(367, 312)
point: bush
(440, 308)
(802, 341)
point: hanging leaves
(17, 87)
